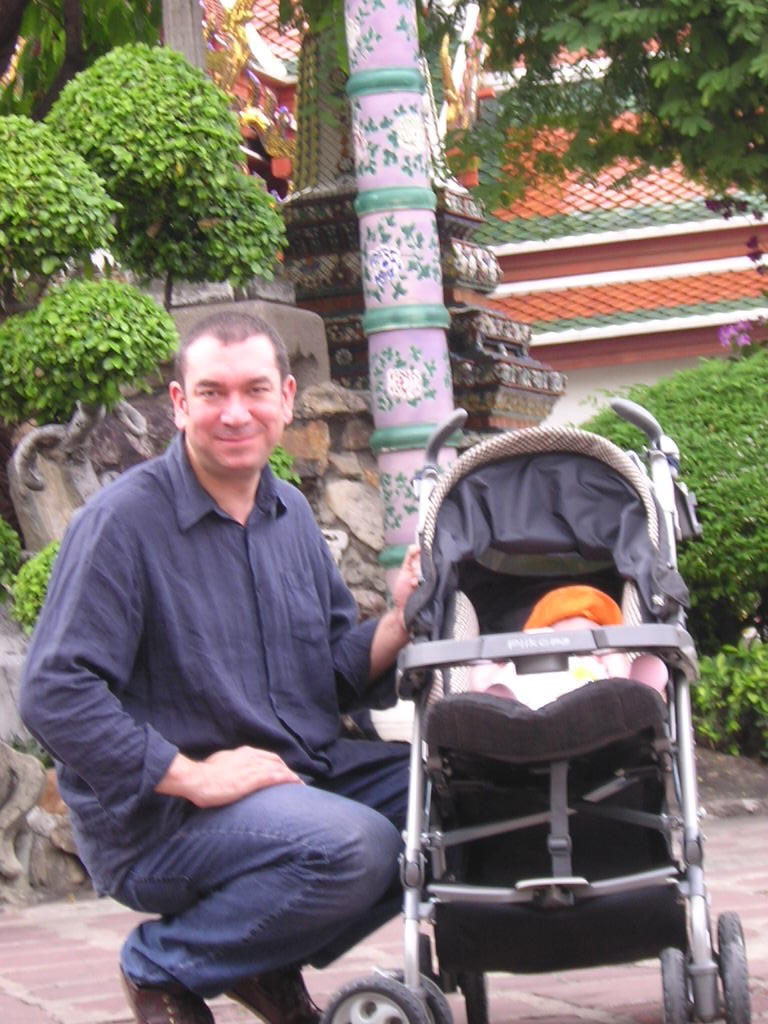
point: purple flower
(738, 335)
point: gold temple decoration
(232, 65)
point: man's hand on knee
(225, 776)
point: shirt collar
(192, 502)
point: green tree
(683, 80)
(731, 700)
(139, 154)
(10, 556)
(67, 345)
(78, 340)
(718, 415)
(163, 138)
(30, 585)
(53, 209)
(61, 37)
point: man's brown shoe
(280, 997)
(175, 1005)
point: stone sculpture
(22, 778)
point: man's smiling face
(232, 406)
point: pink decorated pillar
(405, 318)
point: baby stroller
(566, 836)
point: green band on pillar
(400, 439)
(392, 557)
(385, 80)
(406, 197)
(405, 317)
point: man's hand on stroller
(391, 634)
(407, 579)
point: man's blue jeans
(280, 877)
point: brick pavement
(58, 960)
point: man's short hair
(230, 327)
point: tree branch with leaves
(57, 38)
(646, 83)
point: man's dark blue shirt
(170, 627)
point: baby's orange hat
(569, 602)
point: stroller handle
(441, 433)
(664, 464)
(638, 417)
(661, 443)
(425, 480)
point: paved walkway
(58, 961)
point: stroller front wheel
(732, 964)
(674, 984)
(438, 1010)
(377, 999)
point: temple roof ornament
(243, 63)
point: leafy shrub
(82, 342)
(164, 139)
(10, 556)
(29, 745)
(31, 585)
(53, 206)
(281, 463)
(718, 415)
(731, 701)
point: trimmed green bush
(232, 233)
(10, 556)
(164, 139)
(53, 206)
(31, 585)
(718, 415)
(83, 341)
(730, 702)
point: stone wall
(330, 441)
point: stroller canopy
(549, 502)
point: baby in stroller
(570, 607)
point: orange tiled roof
(581, 207)
(577, 196)
(635, 301)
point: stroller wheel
(377, 999)
(674, 983)
(438, 1010)
(732, 963)
(475, 997)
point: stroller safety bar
(673, 641)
